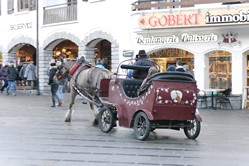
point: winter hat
(141, 54)
(171, 68)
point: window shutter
(32, 4)
(10, 6)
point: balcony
(60, 13)
(169, 4)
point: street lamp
(37, 48)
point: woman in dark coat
(3, 73)
(11, 78)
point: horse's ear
(59, 67)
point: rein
(63, 75)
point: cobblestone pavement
(32, 133)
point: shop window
(102, 51)
(168, 56)
(220, 69)
(65, 49)
(176, 1)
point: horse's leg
(73, 95)
(95, 109)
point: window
(10, 6)
(220, 70)
(176, 1)
(24, 5)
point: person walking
(30, 74)
(12, 74)
(99, 64)
(3, 73)
(21, 74)
(53, 84)
(61, 84)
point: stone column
(45, 57)
(239, 74)
(115, 57)
(201, 70)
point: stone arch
(47, 54)
(92, 39)
(19, 41)
(57, 37)
(171, 46)
(15, 44)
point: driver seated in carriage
(142, 60)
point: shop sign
(184, 38)
(157, 40)
(21, 26)
(128, 53)
(229, 40)
(195, 18)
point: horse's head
(63, 69)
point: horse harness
(74, 75)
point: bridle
(60, 75)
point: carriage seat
(167, 76)
(131, 86)
(172, 76)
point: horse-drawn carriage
(168, 101)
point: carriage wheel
(106, 119)
(142, 126)
(192, 131)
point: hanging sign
(128, 53)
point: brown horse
(84, 82)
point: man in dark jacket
(11, 77)
(142, 60)
(3, 73)
(53, 84)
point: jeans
(4, 85)
(12, 85)
(59, 92)
(54, 88)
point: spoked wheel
(142, 126)
(106, 119)
(193, 129)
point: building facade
(211, 39)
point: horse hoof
(95, 122)
(67, 120)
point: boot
(53, 104)
(60, 103)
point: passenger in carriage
(142, 60)
(186, 68)
(171, 68)
(179, 66)
(152, 70)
